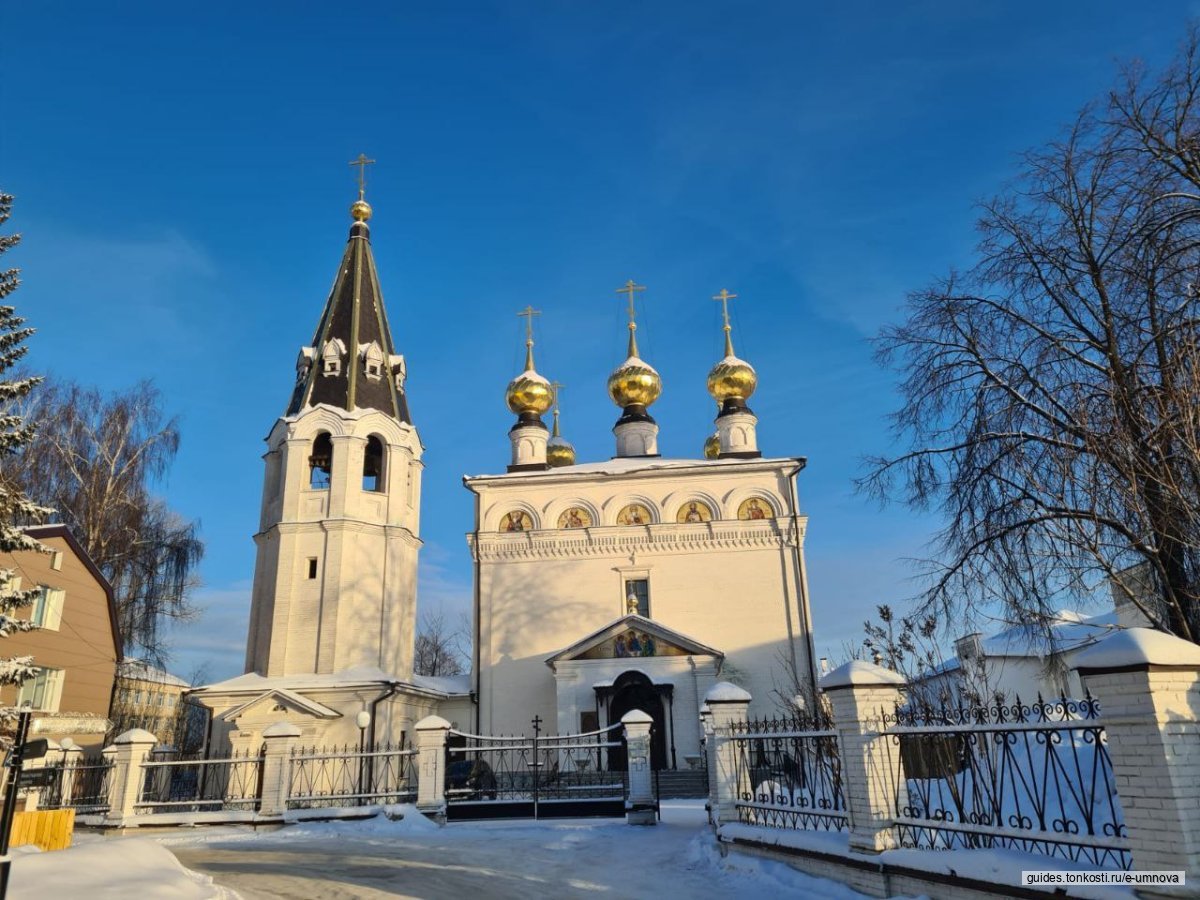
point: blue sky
(182, 184)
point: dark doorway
(631, 691)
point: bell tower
(335, 579)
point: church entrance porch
(633, 690)
(534, 777)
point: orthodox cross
(527, 314)
(725, 297)
(362, 162)
(630, 288)
(537, 725)
(556, 386)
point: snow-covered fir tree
(15, 508)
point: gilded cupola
(559, 451)
(633, 386)
(529, 394)
(731, 381)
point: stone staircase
(678, 784)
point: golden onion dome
(712, 446)
(634, 382)
(559, 452)
(360, 210)
(529, 392)
(732, 378)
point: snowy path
(413, 858)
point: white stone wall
(735, 585)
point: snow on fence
(1036, 777)
(789, 773)
(195, 784)
(329, 777)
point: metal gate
(538, 777)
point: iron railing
(1036, 777)
(81, 784)
(201, 785)
(327, 777)
(789, 773)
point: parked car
(471, 779)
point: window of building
(48, 607)
(321, 462)
(56, 559)
(42, 691)
(589, 720)
(312, 567)
(639, 590)
(373, 465)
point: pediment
(280, 701)
(631, 637)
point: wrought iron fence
(194, 784)
(1036, 777)
(82, 784)
(568, 770)
(789, 773)
(326, 777)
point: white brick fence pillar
(859, 692)
(639, 808)
(279, 740)
(1148, 685)
(431, 760)
(728, 704)
(72, 759)
(132, 749)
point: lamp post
(363, 721)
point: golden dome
(559, 453)
(529, 392)
(712, 446)
(360, 210)
(634, 382)
(732, 378)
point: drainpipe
(392, 688)
(477, 568)
(802, 583)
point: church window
(372, 360)
(637, 591)
(312, 568)
(373, 465)
(331, 357)
(320, 462)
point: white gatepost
(860, 692)
(132, 749)
(279, 740)
(729, 705)
(431, 760)
(640, 806)
(72, 758)
(1148, 685)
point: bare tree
(440, 648)
(97, 461)
(1051, 393)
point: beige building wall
(82, 645)
(734, 584)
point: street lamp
(363, 721)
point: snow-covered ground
(412, 857)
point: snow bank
(110, 870)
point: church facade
(601, 587)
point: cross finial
(630, 288)
(362, 162)
(725, 297)
(536, 722)
(555, 387)
(527, 314)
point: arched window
(373, 465)
(320, 462)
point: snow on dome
(726, 692)
(860, 672)
(1139, 647)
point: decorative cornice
(621, 540)
(343, 524)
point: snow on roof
(1138, 647)
(140, 670)
(252, 681)
(626, 464)
(447, 684)
(1068, 630)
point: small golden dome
(559, 453)
(360, 210)
(732, 378)
(634, 382)
(529, 392)
(712, 446)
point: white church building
(600, 587)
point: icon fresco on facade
(634, 514)
(575, 517)
(516, 520)
(693, 512)
(755, 508)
